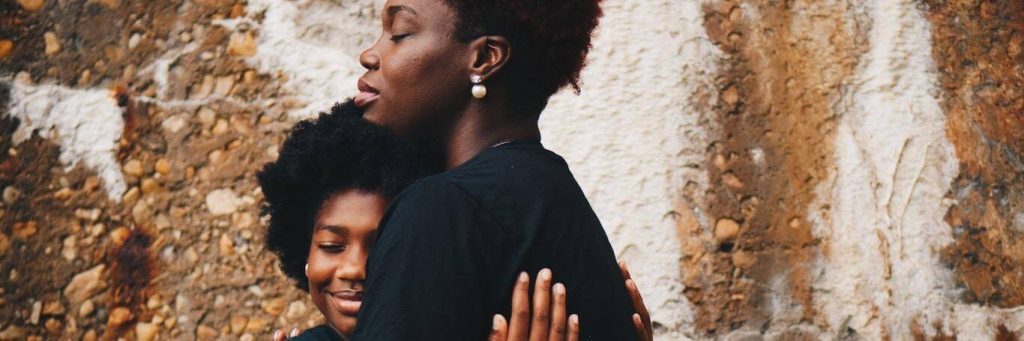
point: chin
(346, 325)
(373, 116)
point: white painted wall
(86, 123)
(895, 166)
(632, 131)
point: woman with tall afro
(468, 80)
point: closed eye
(332, 247)
(399, 37)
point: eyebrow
(394, 9)
(333, 229)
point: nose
(353, 267)
(369, 58)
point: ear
(490, 54)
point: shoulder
(431, 191)
(433, 202)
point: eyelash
(399, 37)
(332, 248)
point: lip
(347, 302)
(367, 94)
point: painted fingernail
(523, 277)
(496, 322)
(278, 334)
(630, 284)
(574, 319)
(559, 289)
(636, 317)
(545, 274)
(294, 333)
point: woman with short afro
(324, 197)
(468, 80)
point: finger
(558, 319)
(519, 322)
(295, 333)
(638, 306)
(541, 307)
(574, 328)
(642, 334)
(499, 329)
(279, 335)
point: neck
(482, 127)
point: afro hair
(551, 39)
(321, 157)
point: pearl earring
(479, 90)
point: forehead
(353, 209)
(426, 9)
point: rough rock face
(831, 169)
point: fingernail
(630, 284)
(559, 289)
(278, 334)
(294, 333)
(496, 322)
(574, 319)
(636, 317)
(523, 277)
(545, 274)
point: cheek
(421, 79)
(319, 270)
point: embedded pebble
(206, 333)
(220, 128)
(53, 308)
(224, 85)
(11, 194)
(238, 323)
(134, 168)
(52, 43)
(242, 44)
(85, 285)
(37, 310)
(222, 202)
(173, 124)
(296, 310)
(6, 46)
(70, 250)
(273, 306)
(86, 308)
(726, 230)
(227, 247)
(119, 316)
(162, 166)
(206, 116)
(53, 325)
(146, 331)
(32, 5)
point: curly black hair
(550, 40)
(321, 157)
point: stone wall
(831, 169)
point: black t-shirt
(450, 247)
